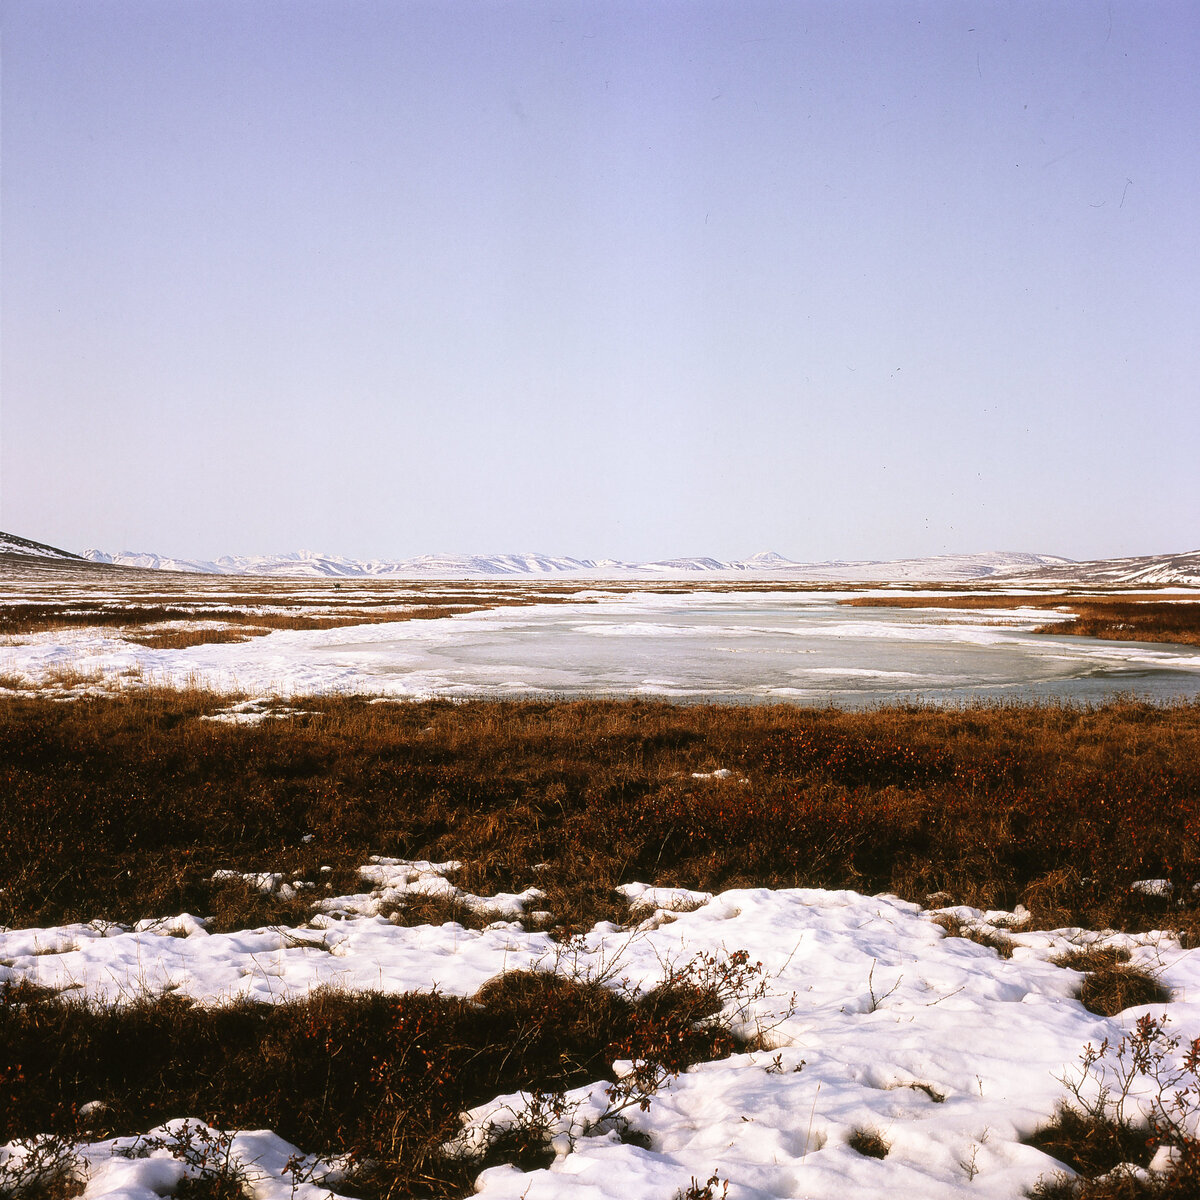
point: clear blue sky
(637, 279)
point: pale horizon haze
(631, 279)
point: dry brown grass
(204, 627)
(123, 807)
(1175, 622)
(184, 639)
(1093, 958)
(1093, 1147)
(870, 1143)
(982, 937)
(1129, 617)
(1110, 984)
(242, 626)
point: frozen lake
(777, 647)
(698, 646)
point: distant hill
(11, 544)
(997, 567)
(764, 565)
(1151, 570)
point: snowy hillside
(767, 564)
(942, 567)
(1152, 570)
(310, 563)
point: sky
(840, 279)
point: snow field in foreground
(876, 1020)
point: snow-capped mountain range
(1160, 570)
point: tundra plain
(275, 945)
